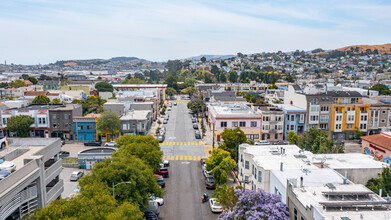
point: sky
(44, 31)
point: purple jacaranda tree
(256, 205)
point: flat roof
(289, 107)
(232, 109)
(348, 161)
(136, 114)
(40, 107)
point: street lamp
(117, 185)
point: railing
(53, 171)
(54, 192)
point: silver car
(76, 175)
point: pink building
(378, 146)
(229, 115)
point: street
(185, 186)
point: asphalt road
(185, 186)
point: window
(295, 214)
(89, 127)
(287, 127)
(292, 117)
(383, 112)
(241, 158)
(80, 127)
(66, 125)
(242, 124)
(338, 118)
(54, 116)
(268, 136)
(301, 117)
(275, 136)
(252, 169)
(301, 218)
(347, 109)
(246, 164)
(314, 118)
(253, 124)
(314, 108)
(349, 126)
(363, 126)
(323, 126)
(54, 125)
(382, 121)
(324, 118)
(376, 113)
(223, 124)
(263, 136)
(4, 121)
(255, 173)
(41, 121)
(246, 178)
(65, 116)
(363, 117)
(260, 176)
(292, 127)
(338, 126)
(350, 117)
(234, 124)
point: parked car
(4, 174)
(215, 206)
(158, 200)
(203, 167)
(197, 134)
(207, 173)
(263, 142)
(152, 211)
(76, 175)
(163, 129)
(7, 165)
(195, 125)
(167, 116)
(169, 109)
(170, 105)
(92, 143)
(281, 143)
(163, 172)
(110, 144)
(3, 141)
(160, 180)
(160, 138)
(202, 161)
(62, 142)
(210, 183)
(165, 121)
(193, 119)
(166, 163)
(63, 154)
(175, 104)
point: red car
(163, 172)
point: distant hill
(124, 59)
(357, 50)
(210, 57)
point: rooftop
(40, 107)
(232, 109)
(289, 107)
(136, 115)
(383, 139)
(347, 161)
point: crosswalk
(190, 143)
(189, 158)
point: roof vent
(330, 186)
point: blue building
(84, 128)
(294, 119)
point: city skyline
(40, 31)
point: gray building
(116, 107)
(61, 120)
(36, 181)
(87, 158)
(136, 122)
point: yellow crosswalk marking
(196, 143)
(181, 143)
(164, 157)
(185, 157)
(194, 158)
(185, 143)
(188, 143)
(203, 157)
(181, 157)
(173, 143)
(200, 143)
(177, 143)
(192, 143)
(176, 158)
(198, 158)
(170, 143)
(172, 157)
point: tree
(109, 123)
(220, 163)
(33, 80)
(25, 76)
(189, 90)
(133, 81)
(292, 137)
(381, 88)
(233, 77)
(173, 67)
(196, 105)
(318, 142)
(358, 133)
(232, 139)
(171, 81)
(17, 83)
(55, 101)
(273, 86)
(41, 99)
(383, 182)
(144, 147)
(256, 205)
(170, 91)
(203, 59)
(20, 124)
(226, 196)
(104, 87)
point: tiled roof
(383, 139)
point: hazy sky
(43, 31)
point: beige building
(272, 129)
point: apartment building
(159, 88)
(61, 120)
(136, 122)
(228, 115)
(272, 128)
(294, 119)
(380, 115)
(252, 87)
(36, 181)
(84, 127)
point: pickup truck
(163, 172)
(3, 141)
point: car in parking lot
(165, 121)
(63, 154)
(92, 143)
(210, 183)
(3, 142)
(160, 180)
(110, 144)
(163, 172)
(195, 125)
(76, 175)
(4, 174)
(262, 142)
(7, 165)
(215, 206)
(160, 138)
(197, 134)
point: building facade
(294, 120)
(61, 120)
(84, 128)
(272, 123)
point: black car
(195, 125)
(92, 143)
(63, 154)
(210, 183)
(160, 182)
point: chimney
(301, 182)
(281, 166)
